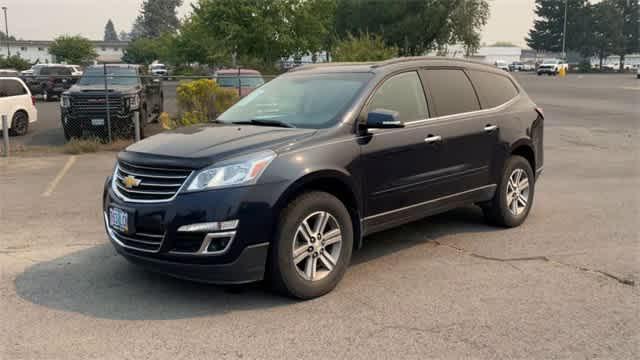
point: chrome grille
(96, 103)
(138, 183)
(140, 241)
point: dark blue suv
(286, 183)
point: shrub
(202, 100)
(365, 47)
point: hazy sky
(45, 19)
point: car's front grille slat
(96, 103)
(141, 183)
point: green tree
(415, 26)
(365, 47)
(156, 17)
(547, 32)
(141, 51)
(14, 62)
(630, 43)
(73, 49)
(266, 30)
(606, 30)
(110, 33)
(3, 36)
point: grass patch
(92, 145)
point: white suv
(17, 103)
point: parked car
(84, 106)
(502, 65)
(288, 180)
(638, 72)
(552, 66)
(159, 70)
(76, 70)
(9, 73)
(18, 104)
(246, 80)
(50, 81)
(517, 66)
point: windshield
(550, 61)
(157, 67)
(305, 101)
(245, 81)
(115, 76)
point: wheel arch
(525, 149)
(333, 182)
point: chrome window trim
(428, 202)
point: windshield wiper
(266, 122)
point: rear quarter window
(493, 89)
(10, 87)
(451, 92)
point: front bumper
(243, 261)
(547, 71)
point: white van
(17, 103)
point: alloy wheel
(518, 192)
(317, 245)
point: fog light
(218, 244)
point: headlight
(64, 101)
(245, 170)
(134, 102)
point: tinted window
(402, 93)
(11, 88)
(116, 75)
(51, 70)
(493, 89)
(451, 91)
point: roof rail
(329, 64)
(400, 60)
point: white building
(36, 51)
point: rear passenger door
(468, 139)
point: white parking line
(59, 176)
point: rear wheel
(19, 124)
(513, 199)
(312, 247)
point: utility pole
(564, 32)
(6, 26)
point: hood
(199, 146)
(100, 88)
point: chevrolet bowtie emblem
(131, 182)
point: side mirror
(383, 119)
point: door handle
(433, 139)
(490, 128)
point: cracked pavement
(564, 285)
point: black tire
(497, 210)
(285, 276)
(19, 124)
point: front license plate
(119, 220)
(97, 122)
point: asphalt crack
(543, 258)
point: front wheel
(513, 199)
(312, 247)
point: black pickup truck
(130, 93)
(50, 80)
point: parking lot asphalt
(563, 285)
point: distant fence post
(136, 124)
(5, 135)
(106, 98)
